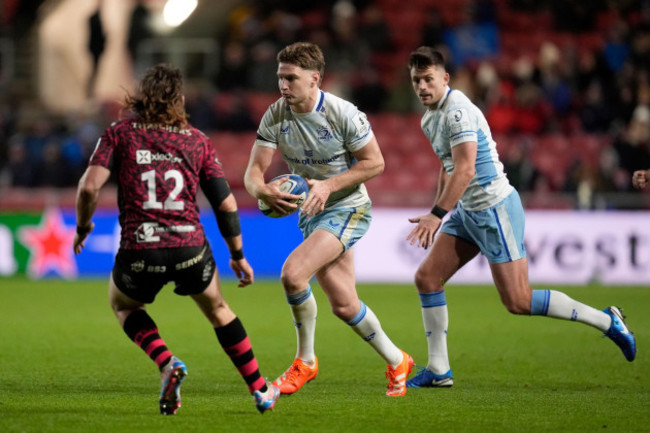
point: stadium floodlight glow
(177, 11)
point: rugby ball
(293, 185)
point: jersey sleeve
(358, 131)
(211, 167)
(266, 133)
(460, 126)
(104, 149)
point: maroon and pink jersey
(158, 169)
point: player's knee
(426, 282)
(518, 306)
(292, 280)
(343, 312)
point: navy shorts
(141, 274)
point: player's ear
(315, 78)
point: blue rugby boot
(620, 334)
(171, 378)
(266, 400)
(428, 379)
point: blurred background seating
(564, 85)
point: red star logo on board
(50, 246)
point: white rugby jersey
(457, 120)
(319, 144)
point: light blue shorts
(497, 231)
(348, 224)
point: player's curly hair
(304, 54)
(159, 98)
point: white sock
(556, 304)
(304, 310)
(435, 317)
(366, 324)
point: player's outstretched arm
(88, 189)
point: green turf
(67, 367)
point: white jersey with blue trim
(457, 120)
(319, 144)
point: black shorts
(141, 274)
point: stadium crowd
(565, 87)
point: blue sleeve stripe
(462, 132)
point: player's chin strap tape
(228, 223)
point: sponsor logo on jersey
(309, 153)
(137, 266)
(284, 130)
(144, 156)
(146, 232)
(458, 115)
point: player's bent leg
(314, 253)
(511, 280)
(552, 303)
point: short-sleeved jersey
(319, 144)
(159, 169)
(457, 120)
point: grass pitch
(66, 366)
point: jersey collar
(444, 98)
(318, 106)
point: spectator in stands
(368, 92)
(488, 219)
(233, 67)
(54, 170)
(519, 168)
(641, 178)
(18, 170)
(374, 30)
(633, 145)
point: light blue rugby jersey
(319, 145)
(457, 120)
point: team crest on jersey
(324, 133)
(143, 156)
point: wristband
(83, 231)
(439, 212)
(237, 254)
